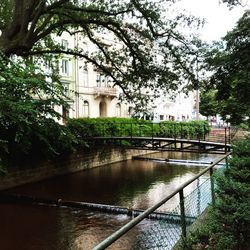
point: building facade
(92, 94)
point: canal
(134, 184)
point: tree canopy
(144, 30)
(208, 103)
(231, 63)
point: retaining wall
(76, 162)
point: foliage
(228, 224)
(209, 106)
(27, 115)
(84, 128)
(231, 63)
(141, 31)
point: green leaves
(137, 43)
(231, 79)
(27, 114)
(228, 222)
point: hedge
(84, 128)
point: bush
(228, 225)
(86, 127)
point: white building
(92, 94)
(181, 108)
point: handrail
(120, 232)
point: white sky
(219, 18)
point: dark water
(135, 184)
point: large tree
(143, 28)
(231, 63)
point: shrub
(228, 225)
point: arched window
(103, 109)
(118, 109)
(86, 108)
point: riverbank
(79, 161)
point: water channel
(134, 184)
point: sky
(219, 18)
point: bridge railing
(165, 234)
(167, 130)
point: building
(92, 94)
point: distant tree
(208, 103)
(231, 63)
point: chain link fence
(164, 234)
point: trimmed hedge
(84, 128)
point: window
(65, 67)
(98, 80)
(85, 78)
(66, 89)
(86, 108)
(65, 44)
(104, 80)
(118, 109)
(65, 114)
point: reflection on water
(135, 184)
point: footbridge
(155, 136)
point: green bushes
(228, 224)
(188, 130)
(85, 127)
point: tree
(208, 103)
(141, 28)
(141, 31)
(231, 64)
(27, 100)
(232, 3)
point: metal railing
(180, 232)
(153, 130)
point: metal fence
(164, 234)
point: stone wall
(76, 162)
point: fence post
(152, 131)
(181, 132)
(225, 140)
(226, 162)
(131, 129)
(212, 186)
(175, 145)
(229, 135)
(204, 132)
(183, 216)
